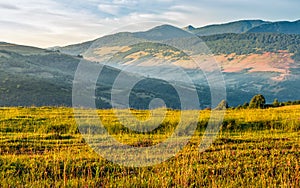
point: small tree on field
(276, 103)
(222, 105)
(245, 105)
(258, 101)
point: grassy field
(41, 147)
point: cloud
(184, 8)
(125, 2)
(118, 7)
(8, 6)
(110, 9)
(61, 22)
(48, 23)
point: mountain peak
(189, 28)
(163, 28)
(163, 32)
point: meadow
(42, 147)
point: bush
(258, 101)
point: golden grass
(41, 147)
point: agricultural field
(42, 147)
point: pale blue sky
(47, 23)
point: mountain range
(232, 27)
(244, 26)
(254, 56)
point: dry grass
(40, 147)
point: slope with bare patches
(279, 62)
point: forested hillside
(253, 43)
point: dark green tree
(276, 103)
(239, 107)
(258, 101)
(245, 105)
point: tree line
(258, 43)
(258, 102)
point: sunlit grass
(255, 148)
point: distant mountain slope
(278, 27)
(252, 63)
(75, 49)
(257, 43)
(44, 77)
(266, 63)
(24, 50)
(232, 27)
(245, 43)
(163, 32)
(38, 78)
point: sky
(47, 23)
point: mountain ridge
(285, 27)
(240, 26)
(251, 26)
